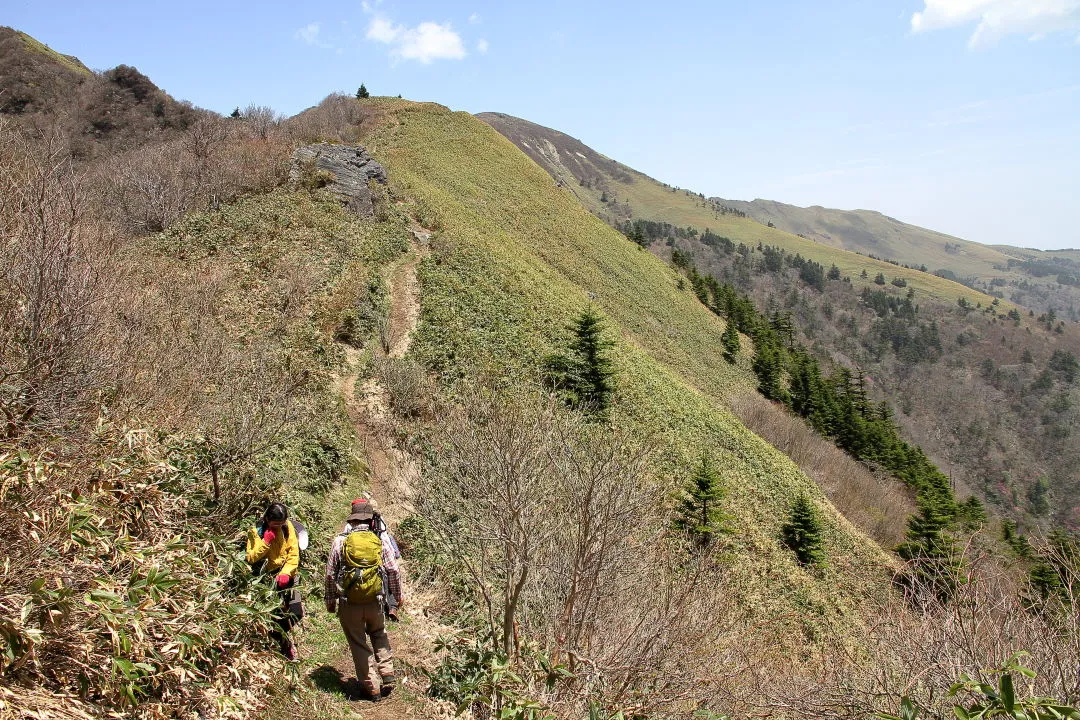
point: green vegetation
(586, 375)
(730, 342)
(222, 403)
(699, 513)
(977, 699)
(802, 533)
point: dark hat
(361, 510)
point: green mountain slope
(1024, 439)
(617, 193)
(516, 257)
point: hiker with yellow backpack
(361, 573)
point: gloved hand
(282, 580)
(268, 536)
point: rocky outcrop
(344, 170)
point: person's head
(361, 511)
(276, 517)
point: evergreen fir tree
(971, 514)
(730, 342)
(597, 369)
(1014, 539)
(1037, 496)
(930, 549)
(802, 533)
(586, 374)
(235, 114)
(362, 92)
(768, 364)
(699, 513)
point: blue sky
(958, 115)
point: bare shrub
(410, 389)
(192, 373)
(338, 118)
(261, 120)
(876, 503)
(919, 652)
(556, 522)
(58, 274)
(150, 188)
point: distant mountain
(1026, 276)
(1037, 280)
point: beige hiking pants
(359, 623)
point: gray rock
(351, 167)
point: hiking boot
(388, 683)
(291, 655)
(368, 693)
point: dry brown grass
(876, 503)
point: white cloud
(482, 46)
(474, 19)
(998, 18)
(424, 43)
(309, 34)
(382, 30)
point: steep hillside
(513, 259)
(618, 193)
(1003, 440)
(516, 258)
(248, 340)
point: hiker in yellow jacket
(273, 549)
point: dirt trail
(394, 474)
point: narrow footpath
(392, 475)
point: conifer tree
(971, 514)
(235, 114)
(730, 342)
(802, 533)
(699, 513)
(586, 374)
(362, 92)
(930, 548)
(768, 364)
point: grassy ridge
(516, 258)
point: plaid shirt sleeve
(332, 564)
(390, 564)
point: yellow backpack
(360, 577)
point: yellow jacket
(282, 556)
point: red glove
(268, 536)
(282, 581)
